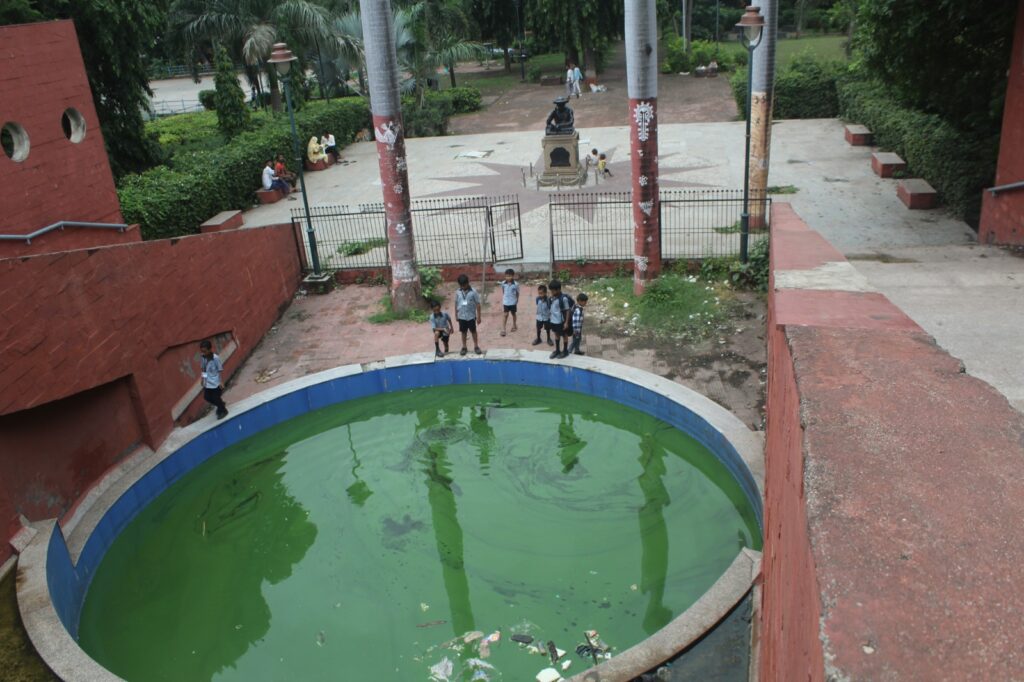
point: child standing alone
(213, 385)
(543, 314)
(509, 299)
(441, 326)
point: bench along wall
(98, 351)
(1002, 215)
(893, 494)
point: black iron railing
(695, 224)
(448, 231)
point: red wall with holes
(105, 340)
(41, 75)
(1002, 215)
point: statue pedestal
(562, 161)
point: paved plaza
(964, 294)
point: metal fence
(695, 224)
(448, 231)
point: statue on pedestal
(561, 120)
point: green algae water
(412, 534)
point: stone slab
(225, 220)
(839, 309)
(858, 136)
(885, 164)
(917, 194)
(269, 196)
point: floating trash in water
(424, 607)
(472, 636)
(548, 675)
(442, 672)
(522, 639)
(634, 587)
(321, 638)
(566, 663)
(431, 623)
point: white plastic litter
(442, 672)
(548, 675)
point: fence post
(551, 239)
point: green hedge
(702, 53)
(169, 202)
(806, 88)
(957, 165)
(206, 98)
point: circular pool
(404, 521)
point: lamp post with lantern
(751, 23)
(282, 59)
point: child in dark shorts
(543, 315)
(559, 321)
(441, 325)
(467, 312)
(509, 298)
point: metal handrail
(60, 225)
(1006, 188)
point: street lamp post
(751, 24)
(282, 59)
(519, 31)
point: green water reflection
(364, 541)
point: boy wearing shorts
(543, 315)
(559, 320)
(509, 298)
(467, 312)
(576, 320)
(441, 326)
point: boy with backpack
(560, 306)
(576, 320)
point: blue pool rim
(716, 429)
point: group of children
(558, 315)
(600, 160)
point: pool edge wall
(55, 572)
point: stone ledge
(858, 136)
(885, 164)
(917, 194)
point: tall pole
(745, 216)
(519, 31)
(642, 86)
(389, 131)
(762, 90)
(297, 149)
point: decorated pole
(761, 96)
(385, 105)
(642, 86)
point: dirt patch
(525, 106)
(18, 658)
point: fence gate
(448, 231)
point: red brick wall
(1002, 216)
(74, 321)
(790, 607)
(41, 75)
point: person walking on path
(570, 77)
(213, 385)
(467, 312)
(509, 299)
(577, 326)
(577, 79)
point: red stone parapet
(916, 193)
(885, 164)
(269, 196)
(322, 164)
(225, 220)
(859, 136)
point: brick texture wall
(41, 75)
(118, 317)
(1002, 216)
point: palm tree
(438, 30)
(762, 92)
(251, 27)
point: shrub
(804, 89)
(428, 119)
(430, 280)
(206, 98)
(534, 73)
(702, 53)
(464, 99)
(168, 202)
(959, 165)
(232, 114)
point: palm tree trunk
(386, 107)
(508, 58)
(761, 97)
(451, 73)
(642, 86)
(275, 90)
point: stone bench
(858, 136)
(916, 193)
(550, 80)
(885, 164)
(320, 165)
(269, 196)
(225, 220)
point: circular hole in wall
(73, 124)
(14, 141)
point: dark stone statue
(561, 120)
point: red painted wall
(127, 318)
(41, 75)
(1002, 216)
(790, 606)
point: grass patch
(494, 82)
(782, 189)
(677, 306)
(358, 248)
(729, 229)
(388, 314)
(786, 50)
